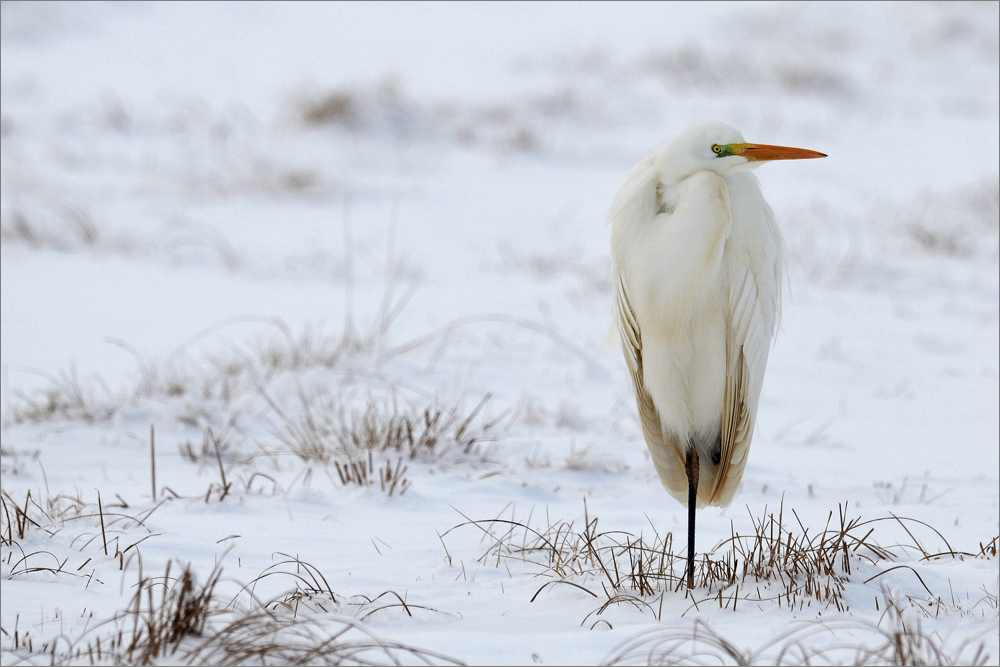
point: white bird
(697, 270)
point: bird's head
(720, 148)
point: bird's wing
(663, 452)
(751, 327)
(628, 329)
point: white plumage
(697, 269)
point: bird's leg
(691, 468)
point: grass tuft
(845, 641)
(330, 429)
(777, 562)
(177, 620)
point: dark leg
(691, 468)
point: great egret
(697, 268)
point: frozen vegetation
(345, 269)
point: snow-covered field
(351, 263)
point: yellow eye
(716, 148)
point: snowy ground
(281, 233)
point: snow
(183, 247)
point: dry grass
(236, 372)
(62, 540)
(177, 620)
(901, 641)
(242, 373)
(989, 549)
(159, 627)
(313, 594)
(368, 440)
(66, 397)
(542, 265)
(216, 448)
(100, 526)
(362, 473)
(64, 227)
(335, 106)
(332, 426)
(380, 108)
(959, 224)
(220, 378)
(11, 463)
(267, 638)
(691, 67)
(333, 429)
(778, 562)
(592, 275)
(831, 243)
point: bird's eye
(716, 148)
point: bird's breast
(676, 266)
(684, 369)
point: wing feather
(751, 327)
(631, 337)
(666, 452)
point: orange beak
(762, 152)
